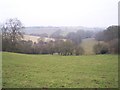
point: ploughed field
(54, 71)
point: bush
(101, 48)
(79, 50)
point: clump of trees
(101, 48)
(59, 46)
(13, 42)
(11, 34)
(79, 50)
(74, 37)
(57, 35)
(110, 36)
(77, 37)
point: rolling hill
(50, 29)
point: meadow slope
(38, 71)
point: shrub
(79, 50)
(101, 48)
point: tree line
(12, 41)
(110, 37)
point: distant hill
(49, 30)
(35, 38)
(30, 37)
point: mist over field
(65, 29)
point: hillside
(32, 38)
(88, 45)
(49, 30)
(35, 38)
(53, 71)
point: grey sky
(90, 13)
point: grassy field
(88, 45)
(91, 71)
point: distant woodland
(67, 44)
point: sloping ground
(88, 45)
(35, 38)
(32, 38)
(38, 71)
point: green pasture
(54, 71)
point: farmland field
(51, 71)
(88, 45)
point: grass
(38, 71)
(88, 45)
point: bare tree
(12, 32)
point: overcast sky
(89, 13)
